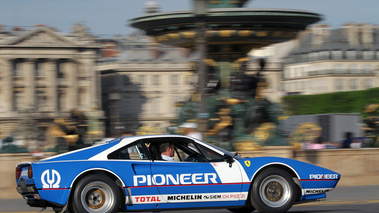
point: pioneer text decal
(323, 176)
(177, 179)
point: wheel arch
(103, 171)
(285, 167)
(107, 172)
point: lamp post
(200, 11)
(114, 98)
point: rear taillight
(18, 172)
(30, 172)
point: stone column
(71, 72)
(8, 85)
(29, 83)
(51, 84)
(92, 87)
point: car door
(134, 166)
(196, 177)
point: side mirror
(229, 159)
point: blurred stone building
(333, 60)
(132, 81)
(143, 84)
(45, 74)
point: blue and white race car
(129, 174)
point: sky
(111, 17)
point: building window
(126, 80)
(82, 97)
(17, 100)
(353, 68)
(324, 55)
(368, 54)
(40, 99)
(337, 54)
(338, 68)
(304, 57)
(353, 84)
(16, 68)
(81, 70)
(351, 54)
(322, 70)
(141, 80)
(60, 100)
(155, 107)
(367, 68)
(38, 68)
(156, 80)
(174, 80)
(367, 84)
(313, 56)
(339, 85)
(58, 69)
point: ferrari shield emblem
(247, 163)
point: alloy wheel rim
(97, 197)
(275, 191)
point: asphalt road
(353, 199)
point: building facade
(143, 84)
(333, 60)
(44, 75)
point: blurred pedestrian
(317, 144)
(190, 129)
(357, 143)
(348, 140)
(127, 133)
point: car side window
(190, 153)
(132, 152)
(182, 151)
(211, 155)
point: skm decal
(50, 179)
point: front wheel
(273, 191)
(96, 193)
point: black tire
(242, 210)
(96, 193)
(273, 191)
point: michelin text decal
(317, 191)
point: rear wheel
(273, 191)
(96, 193)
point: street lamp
(200, 11)
(114, 97)
(200, 7)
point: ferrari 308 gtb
(129, 174)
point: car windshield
(224, 151)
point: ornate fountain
(237, 116)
